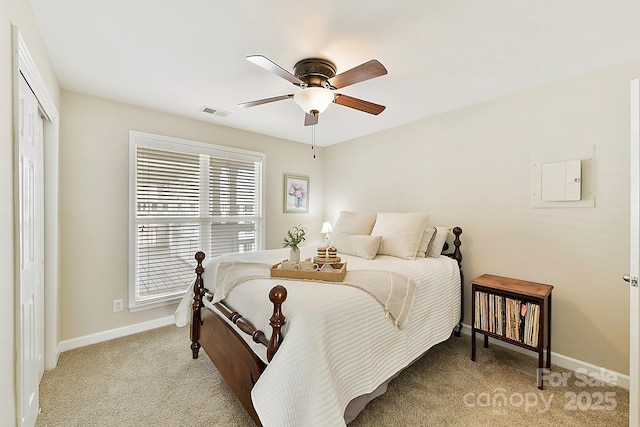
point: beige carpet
(149, 379)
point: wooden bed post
(196, 319)
(457, 255)
(277, 296)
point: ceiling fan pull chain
(313, 140)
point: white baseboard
(587, 369)
(114, 333)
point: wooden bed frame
(238, 364)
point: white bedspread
(338, 341)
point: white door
(30, 313)
(634, 262)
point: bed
(332, 346)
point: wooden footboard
(234, 359)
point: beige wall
(94, 173)
(472, 168)
(12, 12)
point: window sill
(155, 303)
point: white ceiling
(179, 56)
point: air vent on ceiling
(215, 111)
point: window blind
(190, 198)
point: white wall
(12, 12)
(94, 165)
(472, 168)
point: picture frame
(296, 193)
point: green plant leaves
(294, 237)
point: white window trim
(137, 138)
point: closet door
(30, 200)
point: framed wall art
(296, 193)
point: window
(186, 197)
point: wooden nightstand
(512, 311)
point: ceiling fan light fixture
(313, 99)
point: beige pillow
(354, 223)
(427, 237)
(435, 248)
(359, 245)
(401, 233)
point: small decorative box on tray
(335, 274)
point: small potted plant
(292, 240)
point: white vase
(294, 255)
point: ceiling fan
(318, 83)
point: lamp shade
(313, 99)
(326, 227)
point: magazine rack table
(512, 311)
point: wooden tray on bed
(337, 275)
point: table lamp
(326, 230)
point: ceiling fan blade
(264, 101)
(271, 66)
(359, 104)
(311, 119)
(362, 72)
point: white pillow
(401, 233)
(435, 248)
(355, 223)
(359, 245)
(427, 237)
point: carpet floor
(150, 379)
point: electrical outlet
(117, 305)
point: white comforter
(338, 341)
